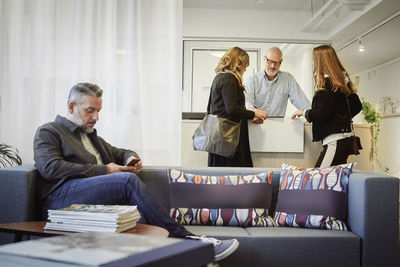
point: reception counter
(279, 140)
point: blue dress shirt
(272, 96)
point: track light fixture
(361, 47)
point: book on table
(98, 218)
(106, 249)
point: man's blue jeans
(122, 188)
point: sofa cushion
(282, 246)
(314, 197)
(232, 200)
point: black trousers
(334, 153)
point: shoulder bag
(354, 142)
(217, 135)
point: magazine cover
(106, 211)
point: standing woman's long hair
(232, 61)
(327, 62)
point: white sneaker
(222, 248)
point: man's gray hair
(83, 89)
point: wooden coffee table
(37, 229)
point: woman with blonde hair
(227, 101)
(334, 104)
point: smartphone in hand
(132, 162)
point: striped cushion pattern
(314, 197)
(234, 200)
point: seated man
(77, 166)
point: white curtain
(131, 48)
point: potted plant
(9, 156)
(373, 117)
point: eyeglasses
(270, 62)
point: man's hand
(297, 113)
(259, 116)
(257, 120)
(137, 167)
(114, 168)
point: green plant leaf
(9, 156)
(371, 115)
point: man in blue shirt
(270, 88)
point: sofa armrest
(373, 214)
(18, 194)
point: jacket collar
(70, 125)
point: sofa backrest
(157, 183)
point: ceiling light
(361, 47)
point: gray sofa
(373, 218)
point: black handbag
(217, 135)
(353, 142)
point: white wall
(384, 81)
(199, 22)
(379, 82)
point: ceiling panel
(288, 5)
(379, 13)
(381, 45)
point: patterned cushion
(234, 200)
(313, 198)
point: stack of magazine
(93, 218)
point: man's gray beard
(270, 73)
(75, 118)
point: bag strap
(209, 103)
(209, 99)
(351, 119)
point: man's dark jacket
(60, 155)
